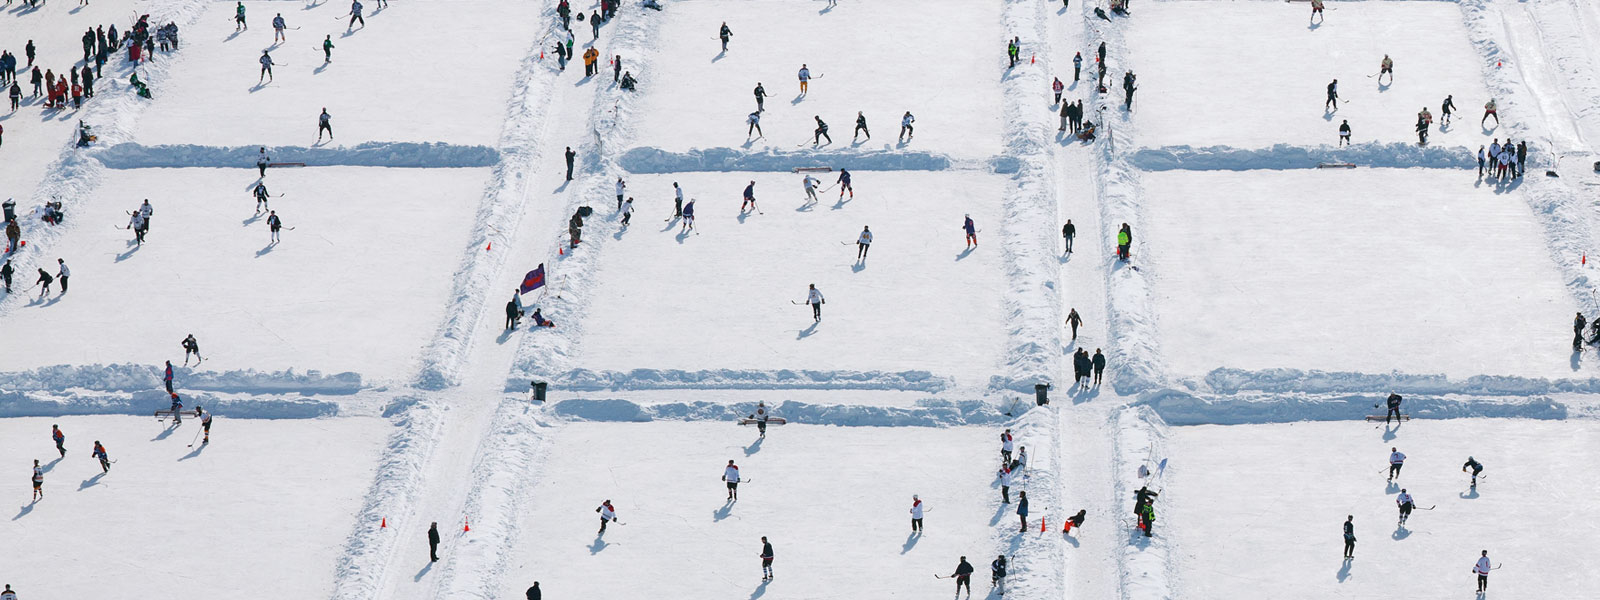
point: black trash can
(11, 210)
(1041, 393)
(538, 390)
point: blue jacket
(1022, 507)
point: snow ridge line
(498, 216)
(113, 114)
(544, 353)
(926, 413)
(1037, 559)
(503, 475)
(1031, 303)
(1569, 227)
(1179, 408)
(655, 160)
(740, 379)
(416, 155)
(1229, 381)
(418, 425)
(131, 377)
(143, 403)
(1135, 355)
(1394, 155)
(1147, 568)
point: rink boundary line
(411, 155)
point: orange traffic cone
(561, 250)
(467, 526)
(1033, 59)
(1041, 524)
(488, 247)
(384, 523)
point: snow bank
(1145, 565)
(145, 402)
(125, 377)
(926, 413)
(1179, 408)
(740, 379)
(1284, 156)
(130, 155)
(418, 424)
(656, 160)
(1230, 381)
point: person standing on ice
(61, 440)
(44, 281)
(916, 514)
(277, 29)
(1480, 161)
(1006, 447)
(355, 16)
(627, 211)
(1333, 97)
(1099, 364)
(266, 67)
(688, 217)
(100, 453)
(1350, 536)
(274, 224)
(1344, 132)
(5, 274)
(1522, 157)
(861, 127)
(1396, 461)
(1125, 241)
(814, 298)
(677, 201)
(1476, 467)
(570, 155)
(1012, 49)
(261, 197)
(1316, 11)
(327, 49)
(863, 243)
(1129, 86)
(166, 377)
(433, 542)
(810, 185)
(820, 132)
(8, 594)
(755, 125)
(1406, 504)
(1482, 568)
(1386, 68)
(139, 226)
(906, 130)
(1073, 321)
(805, 79)
(1424, 120)
(608, 514)
(38, 481)
(749, 197)
(205, 424)
(1068, 232)
(1393, 403)
(1489, 110)
(324, 123)
(621, 186)
(533, 593)
(238, 19)
(726, 34)
(1446, 108)
(761, 96)
(761, 415)
(766, 558)
(1082, 366)
(1077, 65)
(1022, 510)
(191, 346)
(730, 474)
(1005, 483)
(1057, 87)
(963, 577)
(997, 574)
(261, 160)
(972, 231)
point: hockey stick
(196, 437)
(1428, 508)
(938, 576)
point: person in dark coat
(1099, 363)
(433, 542)
(533, 592)
(513, 314)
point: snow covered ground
(208, 268)
(1353, 270)
(246, 516)
(1264, 519)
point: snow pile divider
(1396, 155)
(129, 155)
(740, 379)
(1179, 408)
(1145, 565)
(926, 413)
(146, 402)
(654, 160)
(129, 377)
(1229, 381)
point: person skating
(1482, 568)
(278, 26)
(809, 184)
(177, 409)
(1074, 521)
(261, 195)
(766, 559)
(1476, 468)
(1125, 242)
(761, 416)
(761, 97)
(805, 79)
(262, 160)
(906, 130)
(60, 439)
(191, 346)
(205, 424)
(688, 217)
(324, 123)
(1068, 232)
(1005, 483)
(62, 273)
(820, 132)
(570, 156)
(863, 243)
(433, 542)
(726, 34)
(355, 16)
(266, 67)
(274, 225)
(730, 474)
(8, 594)
(997, 574)
(755, 125)
(1386, 67)
(627, 211)
(1424, 120)
(1022, 510)
(1007, 445)
(166, 378)
(1490, 110)
(677, 201)
(814, 298)
(1393, 402)
(1073, 321)
(1397, 460)
(44, 281)
(1446, 108)
(1406, 503)
(38, 481)
(1350, 536)
(844, 184)
(621, 186)
(238, 19)
(749, 202)
(1316, 11)
(861, 127)
(963, 577)
(972, 231)
(1333, 97)
(100, 453)
(608, 514)
(1099, 364)
(1344, 132)
(327, 49)
(916, 514)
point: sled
(812, 170)
(770, 421)
(286, 164)
(1336, 166)
(1380, 418)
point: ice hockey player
(1386, 67)
(261, 160)
(238, 19)
(38, 481)
(810, 185)
(1424, 120)
(1333, 97)
(1393, 403)
(1057, 87)
(205, 424)
(1344, 132)
(627, 211)
(761, 97)
(997, 574)
(844, 184)
(1396, 461)
(1350, 536)
(1099, 364)
(571, 156)
(916, 514)
(8, 594)
(766, 558)
(191, 346)
(1406, 504)
(1446, 108)
(814, 298)
(274, 224)
(725, 34)
(863, 244)
(100, 453)
(327, 49)
(355, 16)
(677, 200)
(805, 79)
(1476, 467)
(61, 440)
(1489, 110)
(433, 542)
(277, 28)
(1482, 568)
(1068, 232)
(731, 476)
(266, 67)
(1124, 241)
(45, 279)
(167, 377)
(1073, 321)
(1316, 11)
(760, 416)
(755, 125)
(261, 197)
(1006, 447)
(820, 132)
(972, 231)
(1074, 521)
(688, 217)
(749, 198)
(963, 577)
(324, 123)
(608, 514)
(177, 409)
(861, 127)
(906, 130)
(1005, 483)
